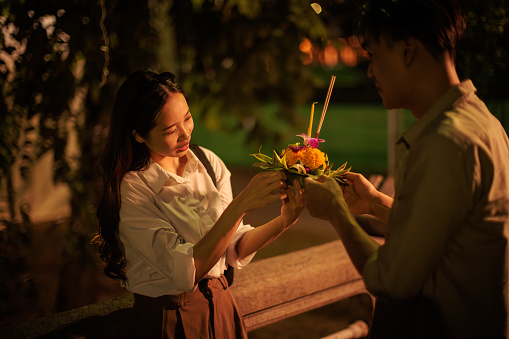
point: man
(442, 271)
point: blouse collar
(157, 177)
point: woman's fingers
(264, 188)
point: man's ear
(137, 137)
(409, 49)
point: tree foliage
(62, 62)
(238, 55)
(52, 72)
(484, 54)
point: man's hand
(323, 197)
(359, 194)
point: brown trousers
(208, 312)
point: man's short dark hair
(438, 24)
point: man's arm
(325, 200)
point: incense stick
(325, 105)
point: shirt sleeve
(430, 206)
(144, 230)
(231, 252)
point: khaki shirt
(446, 246)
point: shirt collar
(444, 103)
(156, 177)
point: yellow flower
(292, 156)
(313, 158)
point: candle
(311, 118)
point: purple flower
(312, 142)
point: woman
(167, 232)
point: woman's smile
(183, 148)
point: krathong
(306, 160)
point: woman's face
(172, 133)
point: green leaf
(262, 157)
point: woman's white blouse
(162, 216)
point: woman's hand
(292, 206)
(256, 238)
(264, 188)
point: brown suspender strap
(204, 160)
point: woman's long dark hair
(137, 105)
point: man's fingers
(322, 178)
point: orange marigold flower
(292, 156)
(313, 158)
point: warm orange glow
(330, 56)
(307, 58)
(348, 56)
(305, 46)
(320, 57)
(343, 51)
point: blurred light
(227, 63)
(38, 98)
(348, 56)
(307, 61)
(60, 12)
(316, 7)
(307, 58)
(63, 36)
(330, 56)
(47, 21)
(305, 46)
